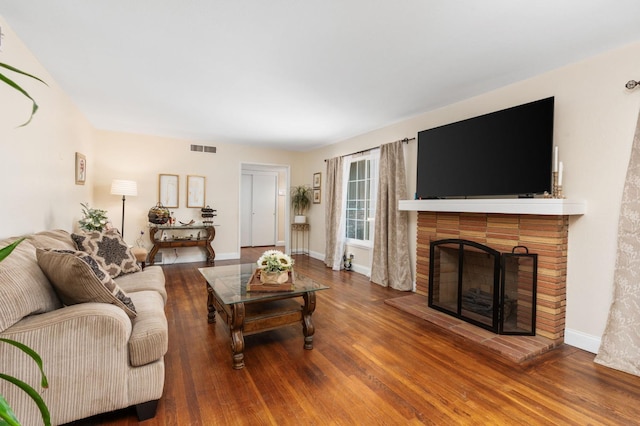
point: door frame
(266, 167)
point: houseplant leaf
(33, 354)
(6, 251)
(6, 414)
(14, 85)
(44, 411)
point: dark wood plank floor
(371, 364)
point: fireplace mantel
(537, 206)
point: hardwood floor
(371, 364)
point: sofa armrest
(84, 349)
(91, 314)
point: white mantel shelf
(540, 206)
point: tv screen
(503, 153)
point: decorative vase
(276, 277)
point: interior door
(263, 223)
(258, 203)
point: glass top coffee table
(248, 312)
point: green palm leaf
(44, 411)
(6, 251)
(13, 84)
(7, 417)
(33, 354)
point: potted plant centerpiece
(274, 267)
(300, 201)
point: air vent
(203, 148)
(158, 258)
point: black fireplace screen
(493, 290)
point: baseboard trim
(354, 267)
(582, 340)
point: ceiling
(300, 74)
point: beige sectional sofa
(97, 357)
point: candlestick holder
(556, 189)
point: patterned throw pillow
(109, 249)
(78, 278)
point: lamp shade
(124, 187)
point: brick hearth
(545, 235)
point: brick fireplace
(543, 234)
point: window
(361, 199)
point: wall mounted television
(503, 153)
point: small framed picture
(81, 169)
(169, 190)
(195, 191)
(316, 196)
(317, 178)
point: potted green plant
(93, 219)
(7, 416)
(300, 202)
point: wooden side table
(297, 229)
(179, 242)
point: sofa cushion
(149, 339)
(109, 249)
(24, 289)
(150, 278)
(55, 239)
(78, 278)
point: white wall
(143, 157)
(595, 120)
(37, 161)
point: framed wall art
(81, 169)
(317, 178)
(169, 190)
(195, 191)
(316, 196)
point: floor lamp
(124, 187)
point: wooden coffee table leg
(237, 337)
(211, 310)
(307, 325)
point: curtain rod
(631, 84)
(405, 140)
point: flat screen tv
(503, 153)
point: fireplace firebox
(480, 285)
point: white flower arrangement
(275, 261)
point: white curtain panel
(620, 346)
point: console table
(182, 241)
